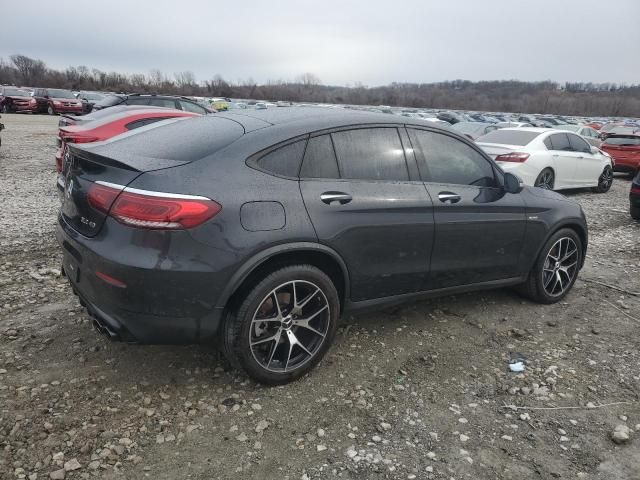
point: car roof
(315, 118)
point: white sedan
(548, 158)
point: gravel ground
(422, 391)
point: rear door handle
(448, 197)
(340, 197)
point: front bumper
(67, 109)
(166, 300)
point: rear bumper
(160, 304)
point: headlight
(56, 102)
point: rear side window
(142, 122)
(560, 142)
(547, 143)
(284, 161)
(445, 159)
(371, 154)
(578, 144)
(320, 159)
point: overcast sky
(342, 42)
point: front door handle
(448, 197)
(340, 197)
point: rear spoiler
(134, 163)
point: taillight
(517, 157)
(102, 196)
(146, 209)
(635, 190)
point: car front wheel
(50, 110)
(604, 181)
(284, 325)
(556, 268)
(545, 180)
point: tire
(268, 350)
(540, 286)
(635, 212)
(605, 180)
(50, 110)
(546, 179)
(6, 108)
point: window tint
(449, 160)
(370, 154)
(192, 107)
(320, 159)
(547, 143)
(142, 122)
(284, 161)
(560, 142)
(579, 144)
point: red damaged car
(54, 101)
(14, 99)
(624, 148)
(107, 126)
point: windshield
(54, 93)
(16, 92)
(626, 141)
(91, 96)
(110, 100)
(508, 137)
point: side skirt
(353, 307)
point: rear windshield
(623, 129)
(110, 100)
(628, 140)
(508, 137)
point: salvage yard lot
(420, 391)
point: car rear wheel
(604, 181)
(50, 110)
(545, 180)
(556, 268)
(635, 212)
(284, 325)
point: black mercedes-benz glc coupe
(258, 229)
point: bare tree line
(592, 99)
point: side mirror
(595, 150)
(512, 183)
